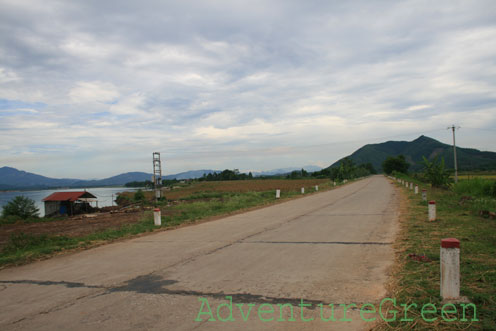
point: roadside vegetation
(346, 170)
(183, 203)
(464, 212)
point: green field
(418, 282)
(184, 204)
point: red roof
(68, 196)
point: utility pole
(453, 128)
(157, 175)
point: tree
(369, 167)
(398, 164)
(22, 207)
(139, 195)
(436, 173)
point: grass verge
(23, 248)
(418, 282)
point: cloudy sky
(89, 89)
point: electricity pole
(157, 175)
(453, 128)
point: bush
(397, 164)
(20, 206)
(435, 173)
(11, 219)
(139, 195)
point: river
(105, 195)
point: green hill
(469, 159)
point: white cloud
(88, 92)
(252, 84)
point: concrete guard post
(450, 268)
(302, 190)
(157, 217)
(278, 194)
(333, 183)
(424, 195)
(316, 187)
(406, 184)
(411, 186)
(432, 210)
(416, 189)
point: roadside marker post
(432, 210)
(334, 183)
(157, 217)
(416, 189)
(411, 186)
(316, 187)
(302, 190)
(406, 184)
(450, 268)
(278, 194)
(424, 195)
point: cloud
(251, 83)
(96, 91)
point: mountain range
(11, 178)
(469, 159)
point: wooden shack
(68, 203)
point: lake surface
(105, 195)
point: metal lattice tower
(157, 173)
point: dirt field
(242, 186)
(80, 226)
(71, 227)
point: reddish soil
(73, 226)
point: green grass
(418, 282)
(477, 187)
(23, 248)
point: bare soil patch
(71, 227)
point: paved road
(332, 247)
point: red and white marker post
(450, 268)
(432, 210)
(157, 217)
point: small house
(68, 203)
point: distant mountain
(309, 168)
(191, 174)
(468, 158)
(116, 180)
(11, 178)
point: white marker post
(416, 189)
(424, 195)
(406, 184)
(278, 194)
(432, 210)
(157, 217)
(334, 183)
(450, 268)
(411, 186)
(316, 187)
(302, 190)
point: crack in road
(154, 284)
(319, 242)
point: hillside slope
(468, 158)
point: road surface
(332, 247)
